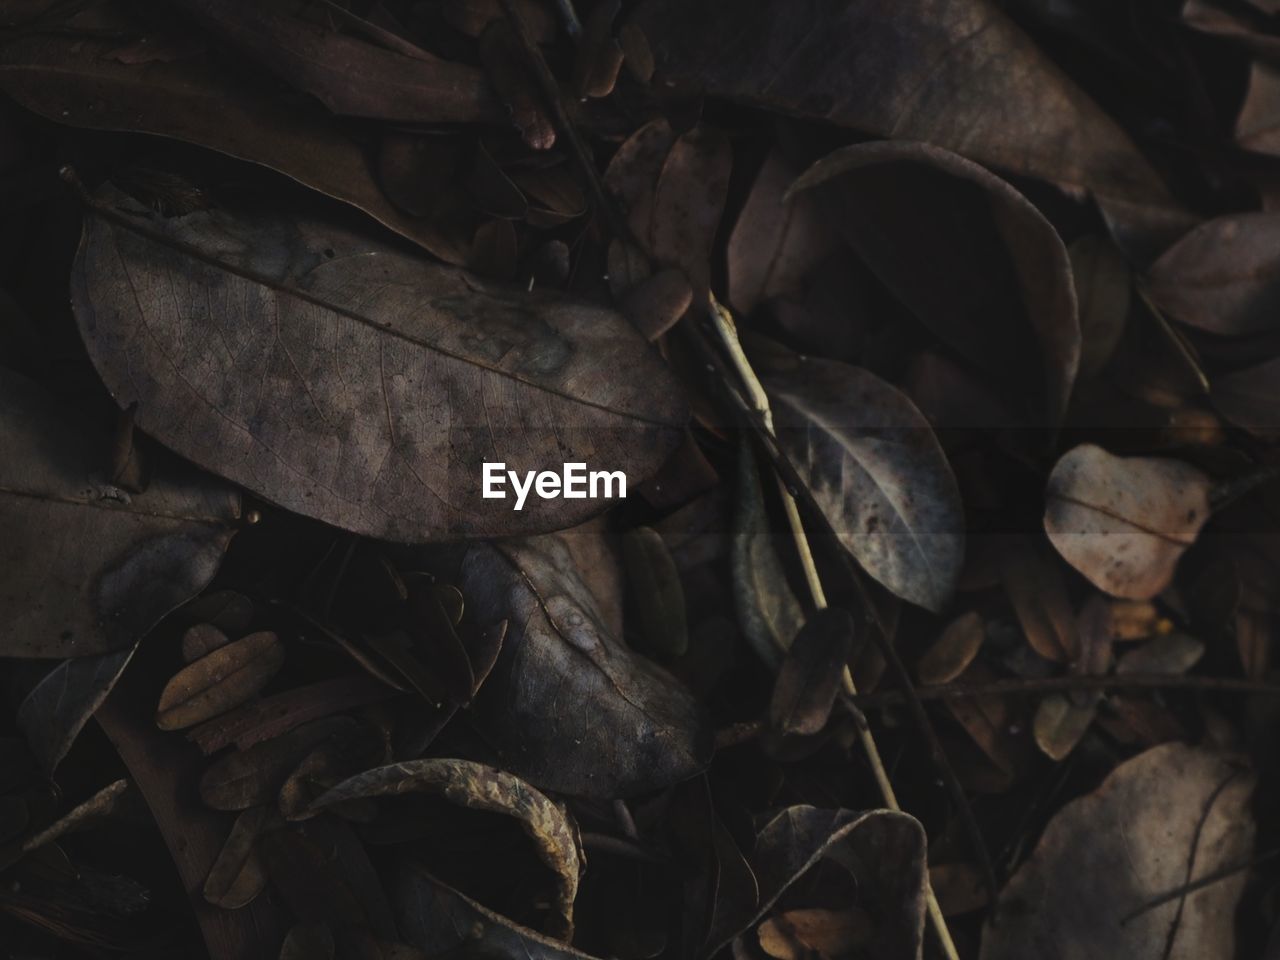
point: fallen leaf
(874, 467)
(568, 707)
(1033, 581)
(688, 199)
(308, 941)
(811, 671)
(767, 608)
(990, 276)
(1103, 291)
(348, 408)
(438, 920)
(829, 933)
(1222, 277)
(656, 589)
(219, 681)
(1124, 522)
(1173, 654)
(347, 74)
(1171, 815)
(56, 709)
(480, 787)
(1061, 723)
(237, 875)
(953, 651)
(76, 81)
(1258, 126)
(330, 763)
(776, 240)
(88, 568)
(200, 640)
(252, 777)
(961, 76)
(888, 849)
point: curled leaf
(480, 787)
(811, 671)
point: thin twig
(722, 321)
(1119, 681)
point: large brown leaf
(1224, 276)
(1169, 816)
(86, 568)
(353, 383)
(84, 82)
(348, 74)
(967, 254)
(956, 73)
(568, 706)
(873, 465)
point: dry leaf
(1124, 522)
(219, 681)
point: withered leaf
(219, 681)
(599, 56)
(568, 706)
(334, 761)
(347, 74)
(960, 75)
(101, 804)
(656, 303)
(809, 680)
(224, 610)
(1223, 276)
(793, 934)
(432, 629)
(481, 787)
(1173, 653)
(888, 848)
(439, 920)
(1103, 290)
(1061, 722)
(953, 651)
(990, 275)
(78, 81)
(247, 778)
(200, 640)
(767, 608)
(1123, 522)
(873, 465)
(1172, 815)
(381, 384)
(237, 876)
(88, 568)
(1250, 398)
(687, 202)
(308, 941)
(657, 592)
(56, 709)
(775, 241)
(1034, 583)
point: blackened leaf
(163, 767)
(348, 75)
(767, 608)
(889, 848)
(809, 680)
(247, 778)
(1250, 398)
(61, 703)
(1103, 288)
(481, 787)
(775, 242)
(440, 921)
(568, 706)
(687, 202)
(350, 382)
(1170, 816)
(1124, 522)
(988, 275)
(1224, 276)
(219, 681)
(958, 74)
(78, 81)
(88, 568)
(953, 651)
(656, 591)
(308, 941)
(874, 467)
(237, 875)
